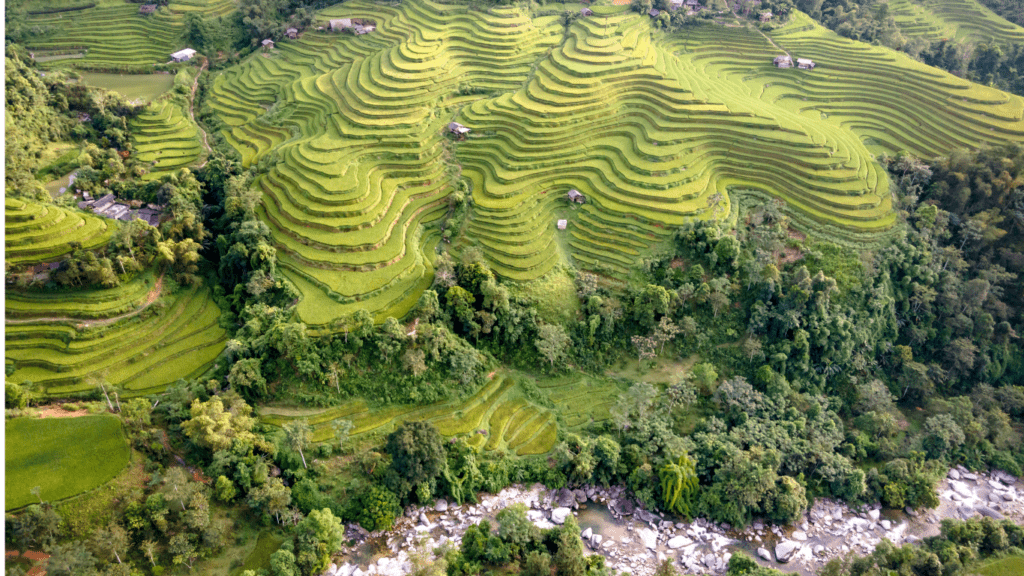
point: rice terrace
(284, 278)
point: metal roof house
(783, 61)
(147, 9)
(562, 224)
(183, 55)
(586, 12)
(766, 16)
(268, 44)
(654, 12)
(575, 196)
(458, 129)
(805, 63)
(292, 33)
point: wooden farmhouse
(292, 33)
(654, 12)
(805, 63)
(147, 9)
(562, 224)
(766, 16)
(584, 12)
(268, 44)
(783, 61)
(575, 196)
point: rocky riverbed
(634, 540)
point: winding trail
(153, 295)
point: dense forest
(825, 369)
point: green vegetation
(165, 139)
(64, 457)
(40, 233)
(1002, 567)
(144, 86)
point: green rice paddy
(654, 128)
(966, 20)
(498, 417)
(35, 233)
(165, 138)
(132, 86)
(65, 343)
(62, 456)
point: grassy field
(63, 456)
(133, 86)
(1010, 566)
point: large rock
(953, 474)
(558, 515)
(441, 506)
(799, 535)
(586, 534)
(874, 515)
(784, 550)
(961, 489)
(986, 511)
(764, 554)
(565, 498)
(678, 542)
(648, 537)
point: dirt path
(153, 295)
(56, 411)
(192, 113)
(758, 30)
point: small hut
(562, 224)
(340, 24)
(654, 13)
(292, 33)
(783, 61)
(766, 16)
(183, 55)
(268, 44)
(694, 5)
(805, 63)
(458, 129)
(147, 9)
(575, 196)
(584, 12)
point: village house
(783, 61)
(458, 129)
(183, 55)
(340, 24)
(654, 12)
(147, 9)
(584, 12)
(360, 29)
(805, 63)
(766, 16)
(562, 224)
(694, 5)
(575, 196)
(268, 44)
(292, 33)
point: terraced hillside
(134, 337)
(36, 233)
(652, 128)
(497, 417)
(165, 138)
(366, 168)
(113, 35)
(884, 98)
(968, 20)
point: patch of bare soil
(56, 411)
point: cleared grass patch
(133, 86)
(64, 456)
